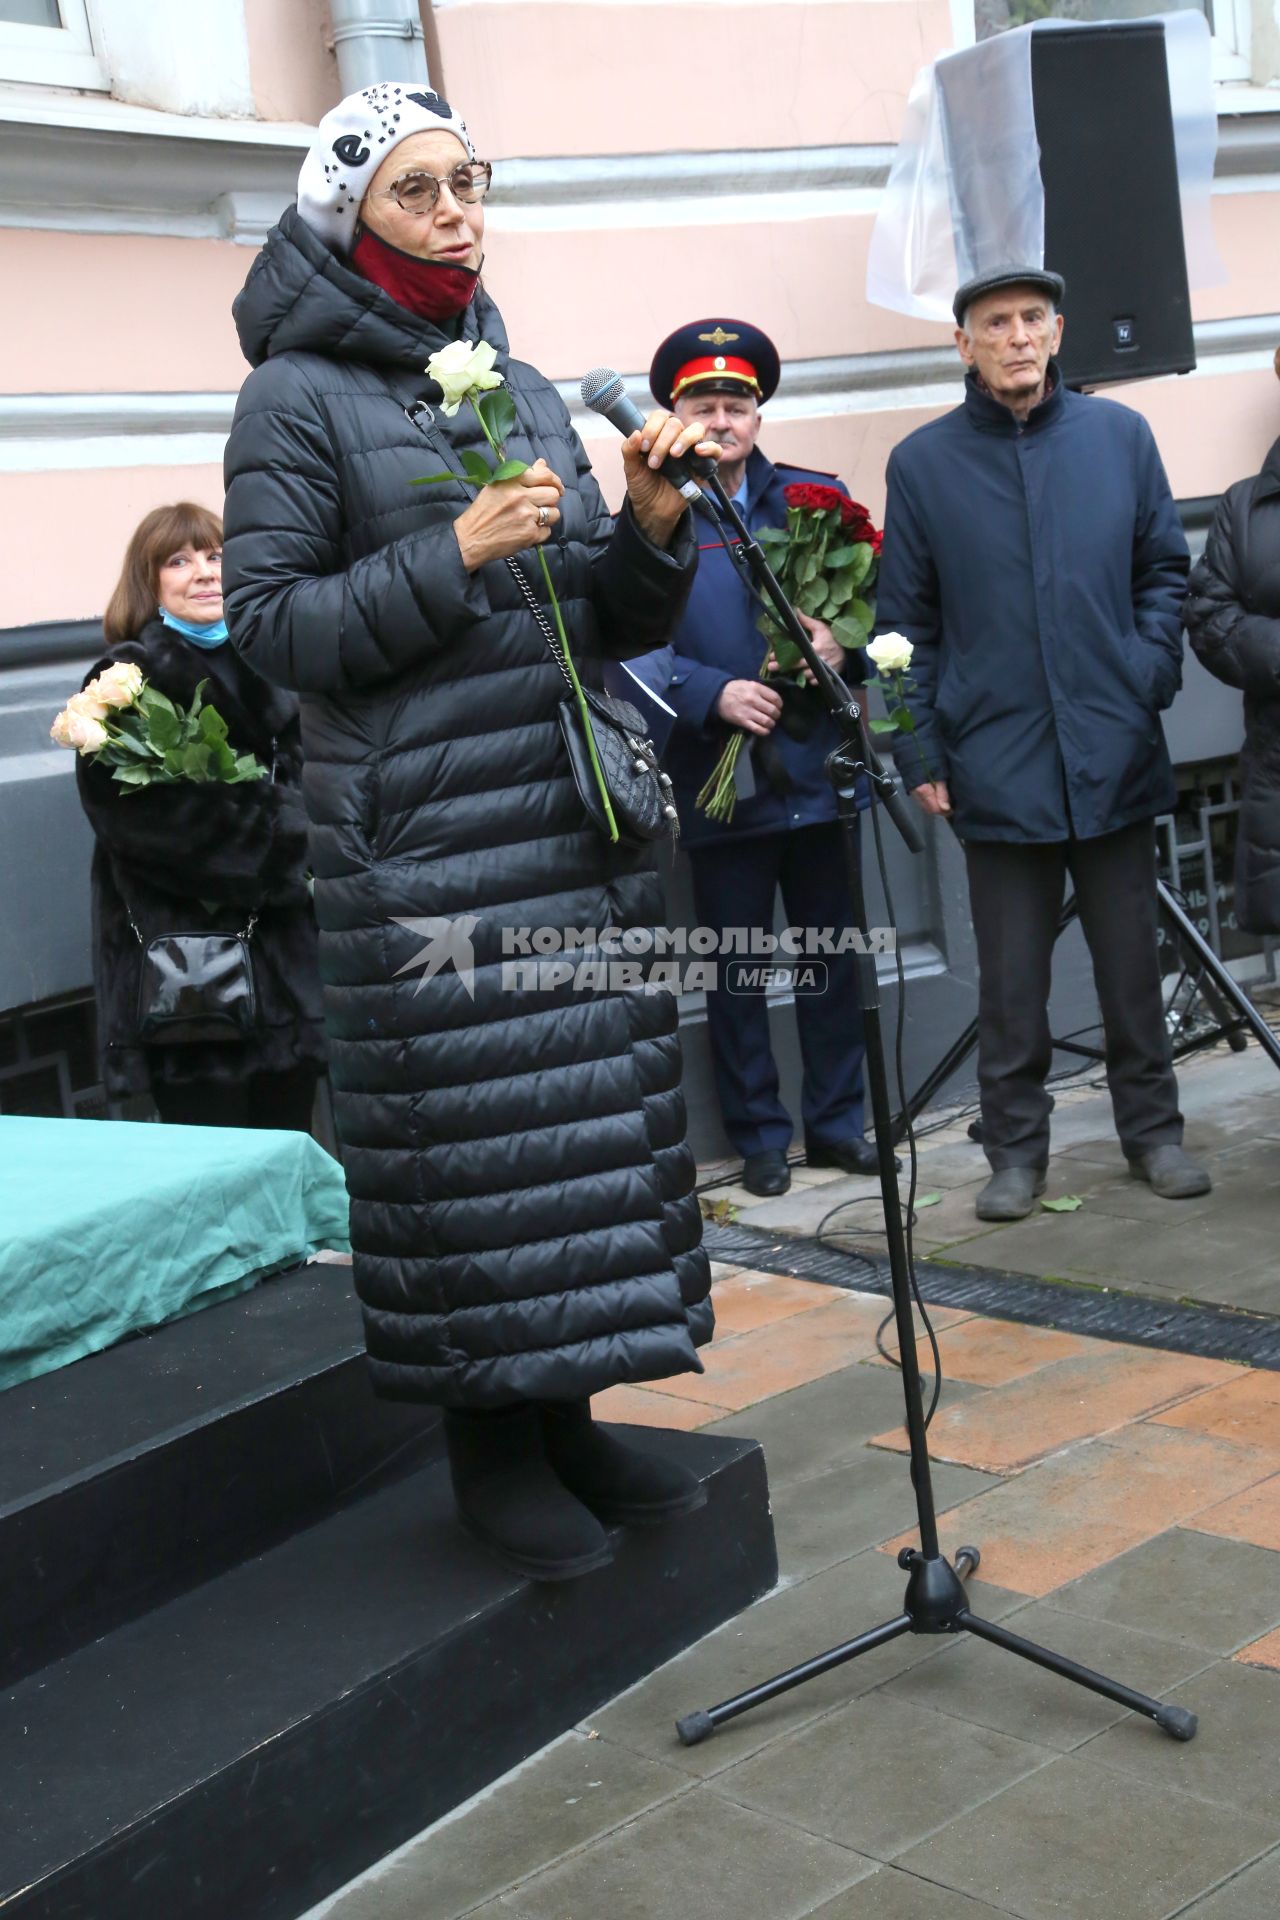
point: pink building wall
(134, 300)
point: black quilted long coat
(1233, 622)
(523, 1213)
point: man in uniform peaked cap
(784, 834)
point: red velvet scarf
(432, 289)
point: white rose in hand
(88, 703)
(459, 370)
(891, 653)
(119, 686)
(77, 729)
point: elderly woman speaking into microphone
(523, 1213)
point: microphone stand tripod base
(936, 1603)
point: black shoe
(512, 1503)
(1171, 1173)
(621, 1484)
(766, 1173)
(1010, 1193)
(851, 1156)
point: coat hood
(302, 297)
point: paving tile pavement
(1068, 1400)
(1251, 1895)
(1244, 1410)
(1077, 1840)
(891, 1894)
(977, 1682)
(1219, 1248)
(1253, 1515)
(574, 1791)
(1262, 1653)
(1132, 1521)
(1078, 1511)
(1217, 1594)
(991, 1353)
(1234, 1760)
(855, 1775)
(749, 1367)
(739, 1861)
(793, 1624)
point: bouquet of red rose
(825, 559)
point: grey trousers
(1016, 894)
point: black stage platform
(246, 1650)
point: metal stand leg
(1178, 1721)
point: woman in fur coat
(203, 856)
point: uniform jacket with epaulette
(718, 640)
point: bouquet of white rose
(145, 738)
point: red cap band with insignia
(714, 367)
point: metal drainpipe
(378, 40)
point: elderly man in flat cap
(1034, 558)
(783, 836)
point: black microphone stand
(935, 1601)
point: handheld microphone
(603, 392)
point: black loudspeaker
(1112, 213)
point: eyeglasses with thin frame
(419, 192)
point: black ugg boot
(620, 1483)
(512, 1503)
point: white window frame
(1231, 43)
(1233, 40)
(53, 56)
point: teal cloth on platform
(108, 1227)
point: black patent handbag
(197, 988)
(639, 791)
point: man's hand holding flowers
(825, 559)
(825, 645)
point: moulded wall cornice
(71, 163)
(42, 432)
(108, 168)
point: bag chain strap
(548, 632)
(244, 934)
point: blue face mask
(211, 634)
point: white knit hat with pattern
(351, 143)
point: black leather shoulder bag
(196, 988)
(639, 791)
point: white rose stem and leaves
(465, 374)
(145, 738)
(892, 656)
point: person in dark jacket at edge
(523, 1213)
(717, 374)
(1233, 623)
(1034, 559)
(202, 856)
